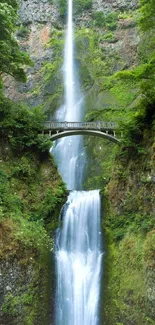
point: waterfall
(69, 152)
(78, 260)
(78, 252)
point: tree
(12, 59)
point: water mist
(78, 251)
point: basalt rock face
(37, 11)
(115, 4)
(40, 21)
(36, 19)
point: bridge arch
(101, 134)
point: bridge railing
(99, 125)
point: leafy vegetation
(126, 94)
(108, 21)
(31, 191)
(12, 59)
(22, 127)
(147, 11)
(129, 228)
(128, 274)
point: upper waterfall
(69, 152)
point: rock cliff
(40, 23)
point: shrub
(99, 19)
(21, 126)
(105, 20)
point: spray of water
(78, 252)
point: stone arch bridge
(107, 130)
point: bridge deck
(99, 125)
(57, 130)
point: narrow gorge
(77, 229)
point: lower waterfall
(78, 256)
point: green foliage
(43, 143)
(46, 209)
(108, 21)
(129, 223)
(31, 234)
(125, 294)
(130, 93)
(99, 19)
(22, 191)
(31, 196)
(24, 171)
(101, 160)
(11, 58)
(21, 126)
(81, 5)
(24, 302)
(52, 84)
(149, 250)
(111, 20)
(92, 61)
(144, 73)
(10, 305)
(78, 6)
(147, 11)
(23, 31)
(109, 37)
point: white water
(78, 252)
(69, 152)
(79, 260)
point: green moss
(30, 202)
(29, 304)
(128, 224)
(125, 295)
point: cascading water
(79, 260)
(78, 252)
(69, 152)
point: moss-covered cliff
(130, 198)
(31, 196)
(115, 63)
(129, 227)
